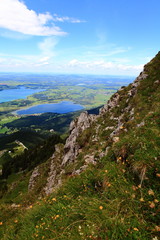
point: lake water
(61, 107)
(17, 93)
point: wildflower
(16, 221)
(119, 159)
(150, 192)
(155, 238)
(30, 206)
(152, 205)
(156, 200)
(135, 229)
(134, 188)
(133, 195)
(141, 200)
(157, 228)
(158, 174)
(106, 171)
(100, 207)
(1, 223)
(54, 199)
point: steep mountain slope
(104, 182)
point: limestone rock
(89, 159)
(33, 179)
(110, 104)
(141, 124)
(115, 139)
(77, 126)
(55, 171)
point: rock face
(110, 104)
(77, 126)
(136, 83)
(33, 179)
(55, 171)
(113, 102)
(67, 154)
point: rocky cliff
(92, 136)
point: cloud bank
(105, 67)
(15, 16)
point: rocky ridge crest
(72, 149)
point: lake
(61, 107)
(17, 93)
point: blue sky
(115, 37)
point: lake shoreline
(61, 107)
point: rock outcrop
(67, 154)
(33, 179)
(55, 171)
(77, 126)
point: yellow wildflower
(141, 200)
(135, 229)
(157, 228)
(100, 207)
(150, 192)
(152, 205)
(134, 188)
(57, 216)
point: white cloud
(44, 58)
(15, 16)
(56, 18)
(104, 67)
(47, 46)
(2, 60)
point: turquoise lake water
(61, 107)
(17, 93)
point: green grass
(99, 204)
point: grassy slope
(116, 199)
